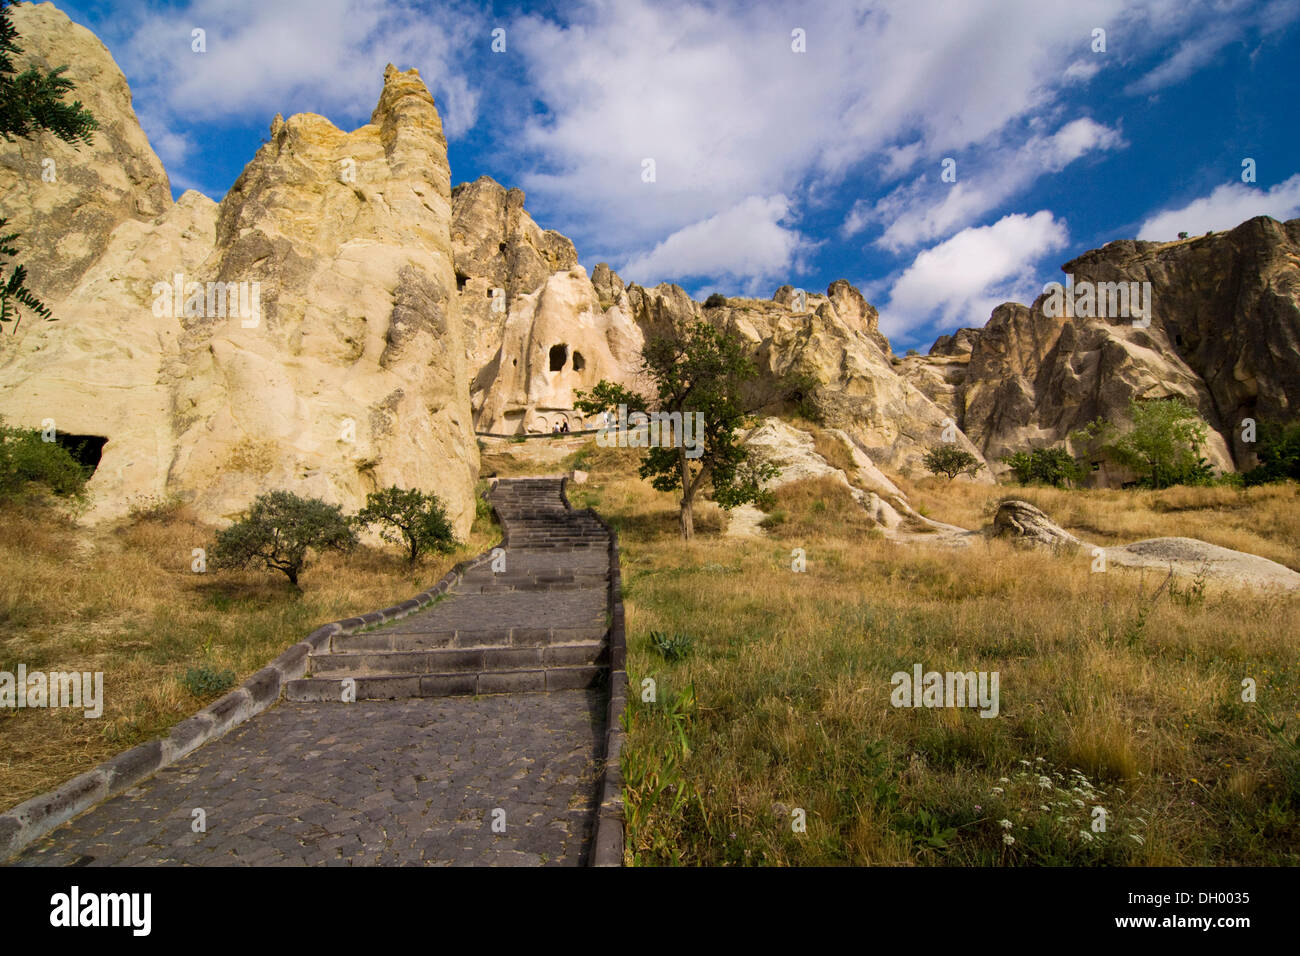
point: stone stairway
(533, 619)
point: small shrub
(205, 681)
(715, 301)
(1278, 454)
(948, 459)
(411, 518)
(671, 649)
(799, 389)
(26, 459)
(278, 531)
(1045, 466)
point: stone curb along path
(553, 556)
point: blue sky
(772, 165)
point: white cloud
(928, 208)
(718, 99)
(322, 56)
(1081, 71)
(744, 242)
(961, 280)
(1229, 205)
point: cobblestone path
(406, 774)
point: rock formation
(1024, 523)
(835, 341)
(345, 320)
(1224, 334)
(63, 200)
(304, 334)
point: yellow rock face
(304, 334)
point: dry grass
(784, 702)
(124, 601)
(1263, 520)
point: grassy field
(772, 706)
(1108, 698)
(123, 600)
(1263, 520)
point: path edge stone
(33, 818)
(608, 835)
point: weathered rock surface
(497, 245)
(856, 387)
(1186, 557)
(1023, 522)
(553, 342)
(65, 201)
(1191, 557)
(1224, 335)
(342, 370)
(793, 451)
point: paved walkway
(467, 780)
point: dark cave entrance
(559, 355)
(87, 449)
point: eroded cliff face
(345, 320)
(558, 332)
(1224, 334)
(303, 334)
(66, 200)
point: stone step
(448, 660)
(390, 687)
(398, 640)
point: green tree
(695, 369)
(948, 459)
(1162, 447)
(31, 102)
(409, 517)
(277, 532)
(26, 459)
(1045, 466)
(1278, 454)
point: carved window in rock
(559, 355)
(579, 363)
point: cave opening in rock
(461, 279)
(559, 354)
(87, 449)
(501, 247)
(579, 363)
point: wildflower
(1026, 762)
(1004, 779)
(1005, 824)
(978, 808)
(1008, 839)
(1045, 783)
(1045, 808)
(1086, 835)
(997, 790)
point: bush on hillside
(1162, 447)
(278, 531)
(27, 460)
(948, 459)
(1045, 466)
(1278, 454)
(410, 518)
